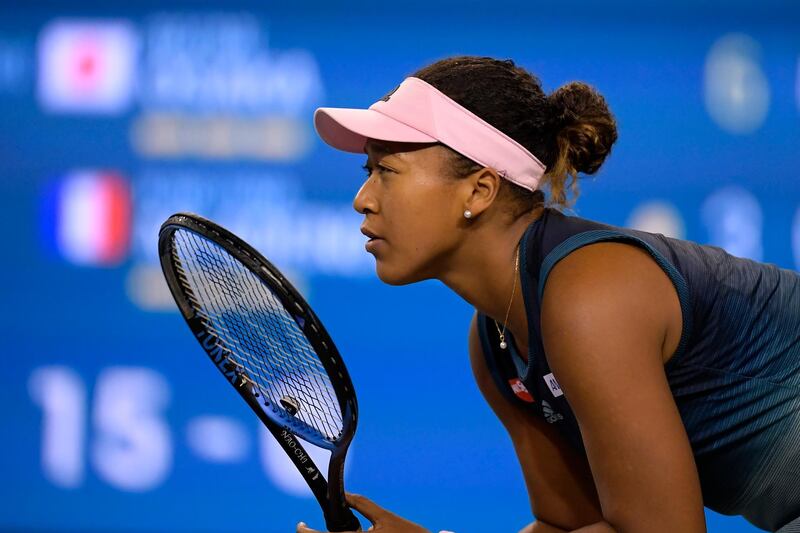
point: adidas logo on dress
(550, 415)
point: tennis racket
(268, 343)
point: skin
(610, 319)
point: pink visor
(418, 112)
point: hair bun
(584, 128)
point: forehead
(376, 148)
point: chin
(395, 277)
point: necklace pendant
(503, 345)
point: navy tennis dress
(735, 375)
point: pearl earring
(467, 213)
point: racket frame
(329, 493)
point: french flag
(87, 218)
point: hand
(383, 521)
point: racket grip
(346, 521)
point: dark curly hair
(569, 131)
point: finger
(367, 507)
(303, 528)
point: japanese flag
(87, 66)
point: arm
(558, 480)
(543, 527)
(605, 315)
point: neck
(482, 273)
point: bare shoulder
(613, 279)
(607, 312)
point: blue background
(88, 335)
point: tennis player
(640, 377)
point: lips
(369, 233)
(375, 241)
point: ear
(482, 187)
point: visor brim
(348, 129)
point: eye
(368, 170)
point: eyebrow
(380, 148)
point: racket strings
(231, 325)
(262, 337)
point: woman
(640, 377)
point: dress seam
(739, 375)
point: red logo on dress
(520, 390)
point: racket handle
(346, 521)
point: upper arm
(604, 313)
(558, 480)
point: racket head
(244, 312)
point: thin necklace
(503, 343)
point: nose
(365, 201)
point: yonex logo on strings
(218, 355)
